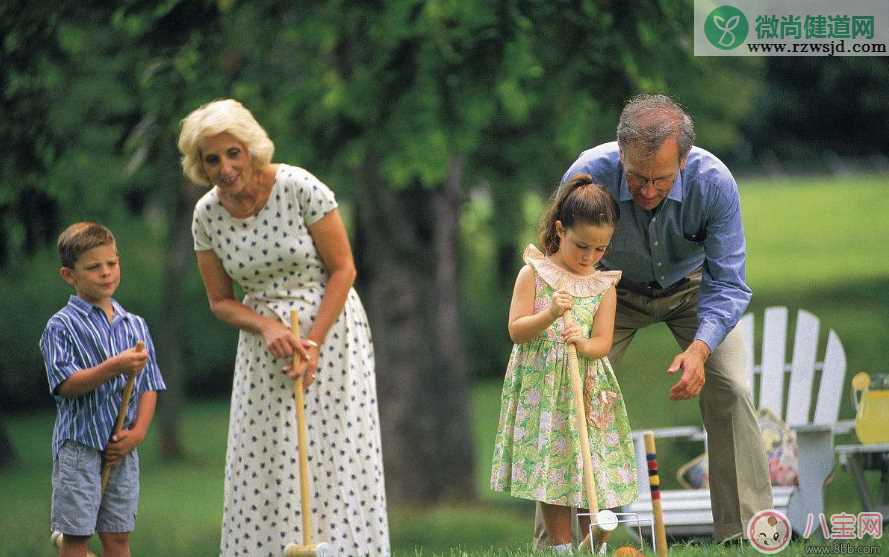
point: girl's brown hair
(578, 199)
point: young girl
(537, 452)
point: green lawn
(815, 244)
(181, 503)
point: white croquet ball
(606, 520)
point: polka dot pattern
(272, 257)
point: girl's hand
(573, 334)
(280, 341)
(307, 367)
(562, 302)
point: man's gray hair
(648, 120)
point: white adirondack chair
(687, 511)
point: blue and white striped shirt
(697, 225)
(78, 337)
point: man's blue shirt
(698, 225)
(79, 336)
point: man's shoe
(734, 540)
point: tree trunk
(170, 336)
(406, 251)
(7, 451)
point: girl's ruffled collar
(576, 285)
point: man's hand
(691, 362)
(121, 444)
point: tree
(403, 107)
(102, 144)
(404, 98)
(813, 106)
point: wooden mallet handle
(654, 484)
(589, 483)
(122, 413)
(301, 432)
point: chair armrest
(813, 428)
(843, 426)
(694, 433)
(684, 432)
(840, 426)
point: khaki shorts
(78, 505)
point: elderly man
(680, 245)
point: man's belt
(652, 289)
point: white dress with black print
(273, 258)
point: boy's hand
(121, 444)
(562, 302)
(131, 361)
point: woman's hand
(307, 367)
(280, 341)
(562, 302)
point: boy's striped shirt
(78, 337)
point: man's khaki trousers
(739, 478)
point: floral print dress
(537, 448)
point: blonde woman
(275, 230)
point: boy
(89, 349)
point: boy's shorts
(78, 506)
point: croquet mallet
(307, 548)
(56, 537)
(654, 484)
(605, 520)
(122, 413)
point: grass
(815, 244)
(181, 502)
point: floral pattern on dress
(537, 448)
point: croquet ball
(627, 551)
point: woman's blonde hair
(213, 118)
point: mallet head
(316, 550)
(56, 539)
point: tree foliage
(403, 107)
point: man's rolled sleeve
(724, 292)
